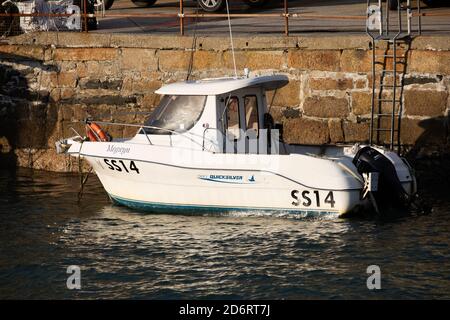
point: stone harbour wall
(50, 82)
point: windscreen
(175, 113)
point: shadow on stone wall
(430, 158)
(27, 115)
(433, 141)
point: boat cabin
(217, 115)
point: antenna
(231, 39)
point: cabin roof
(218, 86)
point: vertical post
(394, 92)
(380, 5)
(387, 18)
(181, 18)
(420, 17)
(286, 18)
(409, 15)
(372, 108)
(85, 16)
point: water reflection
(127, 254)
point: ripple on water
(233, 255)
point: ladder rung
(394, 130)
(399, 73)
(386, 115)
(389, 56)
(390, 86)
(387, 100)
(400, 38)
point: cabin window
(232, 108)
(251, 113)
(175, 113)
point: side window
(233, 118)
(251, 113)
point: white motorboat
(212, 145)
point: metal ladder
(386, 34)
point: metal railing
(285, 14)
(141, 128)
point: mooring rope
(231, 39)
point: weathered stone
(64, 79)
(124, 115)
(31, 134)
(66, 112)
(361, 83)
(21, 52)
(5, 146)
(101, 69)
(324, 42)
(81, 69)
(55, 95)
(138, 59)
(277, 113)
(76, 81)
(67, 93)
(388, 80)
(434, 62)
(99, 112)
(323, 60)
(356, 132)
(129, 132)
(330, 84)
(47, 159)
(291, 113)
(85, 54)
(109, 84)
(79, 112)
(101, 99)
(66, 128)
(145, 86)
(288, 96)
(22, 111)
(306, 131)
(361, 61)
(336, 131)
(116, 131)
(423, 132)
(425, 102)
(356, 61)
(171, 60)
(258, 60)
(421, 80)
(149, 101)
(206, 60)
(326, 107)
(361, 102)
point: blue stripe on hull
(195, 209)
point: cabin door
(242, 121)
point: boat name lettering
(119, 165)
(306, 198)
(114, 149)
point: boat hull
(157, 179)
(167, 188)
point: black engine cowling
(390, 193)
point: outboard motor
(389, 192)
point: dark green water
(126, 254)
